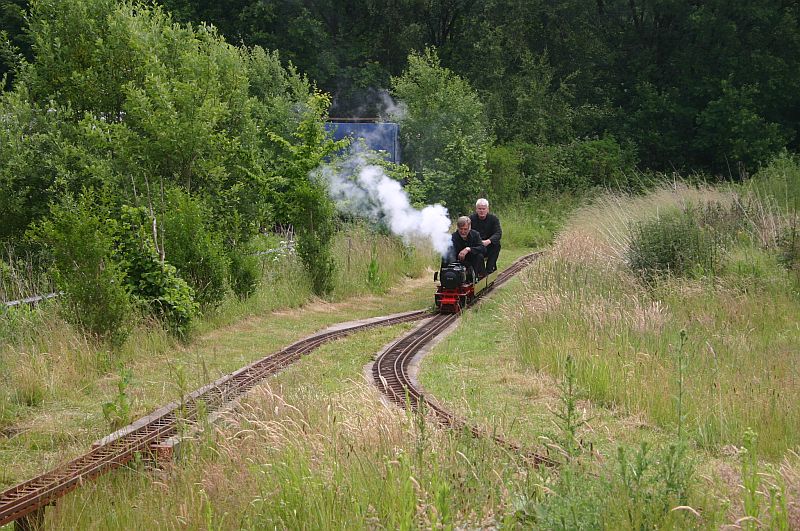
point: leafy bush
(96, 288)
(245, 272)
(314, 251)
(153, 281)
(194, 248)
(603, 161)
(546, 168)
(577, 166)
(505, 174)
(674, 242)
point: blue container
(383, 137)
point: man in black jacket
(488, 226)
(468, 247)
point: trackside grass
(685, 382)
(315, 449)
(54, 383)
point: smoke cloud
(391, 109)
(365, 190)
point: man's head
(464, 225)
(482, 208)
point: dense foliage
(691, 84)
(710, 84)
(173, 141)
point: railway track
(390, 372)
(31, 496)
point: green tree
(119, 95)
(731, 129)
(305, 197)
(444, 136)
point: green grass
(316, 449)
(53, 381)
(779, 180)
(534, 222)
(743, 336)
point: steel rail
(390, 372)
(34, 494)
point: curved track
(120, 448)
(390, 371)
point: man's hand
(486, 242)
(463, 253)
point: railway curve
(390, 371)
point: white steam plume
(391, 109)
(365, 190)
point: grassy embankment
(54, 382)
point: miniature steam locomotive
(458, 286)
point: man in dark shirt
(468, 247)
(488, 226)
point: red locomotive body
(458, 287)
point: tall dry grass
(340, 461)
(743, 345)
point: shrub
(245, 272)
(194, 248)
(577, 166)
(314, 251)
(602, 161)
(674, 243)
(546, 168)
(96, 289)
(505, 173)
(153, 281)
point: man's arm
(475, 243)
(497, 232)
